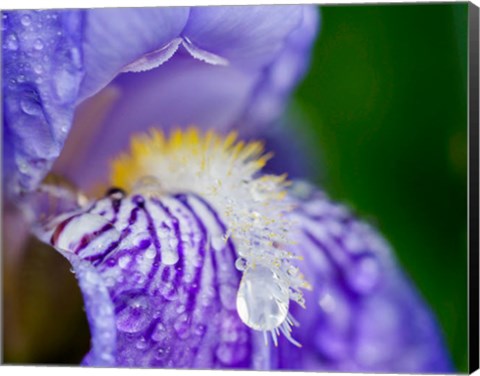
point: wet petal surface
(157, 292)
(363, 313)
(42, 69)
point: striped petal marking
(190, 253)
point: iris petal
(363, 314)
(185, 91)
(117, 37)
(158, 290)
(248, 36)
(42, 70)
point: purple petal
(247, 36)
(363, 313)
(186, 91)
(42, 69)
(116, 38)
(159, 292)
(280, 77)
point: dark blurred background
(384, 106)
(384, 110)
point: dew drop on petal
(30, 106)
(134, 317)
(38, 45)
(182, 326)
(262, 299)
(169, 291)
(169, 253)
(26, 20)
(141, 344)
(11, 42)
(241, 264)
(150, 253)
(159, 333)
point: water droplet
(23, 167)
(292, 271)
(37, 68)
(159, 333)
(182, 326)
(217, 242)
(26, 20)
(262, 299)
(134, 317)
(30, 106)
(141, 344)
(150, 253)
(162, 352)
(241, 264)
(11, 42)
(124, 261)
(38, 45)
(169, 253)
(169, 291)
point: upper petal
(117, 37)
(247, 36)
(42, 70)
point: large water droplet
(262, 299)
(134, 317)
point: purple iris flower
(195, 257)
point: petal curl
(42, 69)
(159, 287)
(364, 315)
(117, 37)
(247, 36)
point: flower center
(227, 173)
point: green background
(384, 106)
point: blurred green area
(385, 102)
